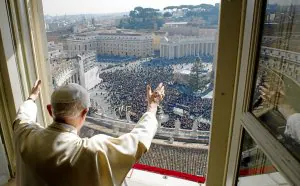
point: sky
(70, 7)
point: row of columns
(73, 79)
(172, 51)
(77, 77)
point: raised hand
(269, 95)
(35, 91)
(157, 95)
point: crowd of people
(171, 157)
(126, 89)
(207, 58)
(115, 59)
(181, 159)
(161, 62)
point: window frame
(283, 160)
(30, 39)
(231, 21)
(10, 75)
(5, 89)
(24, 62)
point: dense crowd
(115, 59)
(187, 160)
(127, 88)
(207, 58)
(171, 157)
(161, 62)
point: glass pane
(276, 101)
(117, 51)
(255, 168)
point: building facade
(283, 61)
(55, 52)
(157, 37)
(179, 46)
(118, 44)
(80, 69)
(188, 29)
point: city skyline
(57, 7)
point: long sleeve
(146, 129)
(26, 114)
(117, 155)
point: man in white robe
(56, 155)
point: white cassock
(56, 155)
(293, 127)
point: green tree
(206, 6)
(142, 18)
(170, 7)
(133, 14)
(138, 9)
(167, 14)
(198, 81)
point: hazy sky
(59, 7)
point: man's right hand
(157, 95)
(154, 98)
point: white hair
(67, 110)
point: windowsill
(137, 178)
(272, 179)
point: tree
(206, 6)
(167, 14)
(170, 7)
(198, 81)
(142, 18)
(138, 9)
(133, 13)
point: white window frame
(231, 21)
(31, 52)
(284, 162)
(25, 60)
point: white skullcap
(70, 93)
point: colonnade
(177, 50)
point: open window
(265, 146)
(36, 57)
(122, 53)
(110, 61)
